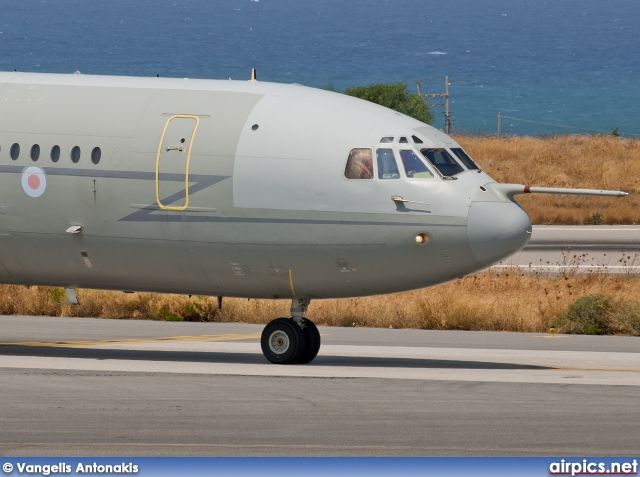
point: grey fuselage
(229, 188)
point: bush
(394, 96)
(600, 314)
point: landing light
(422, 238)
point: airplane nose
(496, 230)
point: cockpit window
(386, 140)
(417, 140)
(387, 166)
(359, 164)
(464, 158)
(413, 165)
(442, 160)
(403, 140)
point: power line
(553, 124)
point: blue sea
(548, 66)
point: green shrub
(57, 295)
(629, 315)
(596, 218)
(600, 314)
(170, 316)
(394, 96)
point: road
(553, 249)
(77, 386)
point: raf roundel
(34, 181)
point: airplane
(239, 189)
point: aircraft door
(172, 163)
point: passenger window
(387, 166)
(75, 154)
(95, 155)
(464, 158)
(442, 160)
(35, 152)
(55, 153)
(414, 167)
(359, 164)
(14, 152)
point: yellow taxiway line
(81, 344)
(595, 370)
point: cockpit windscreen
(442, 160)
(464, 158)
(413, 165)
(387, 167)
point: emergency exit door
(172, 163)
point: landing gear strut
(294, 340)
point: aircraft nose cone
(496, 230)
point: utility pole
(447, 113)
(445, 95)
(498, 123)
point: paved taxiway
(606, 248)
(73, 386)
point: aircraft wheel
(312, 337)
(283, 341)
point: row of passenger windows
(75, 153)
(360, 163)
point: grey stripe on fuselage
(200, 182)
(103, 174)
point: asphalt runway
(579, 249)
(77, 386)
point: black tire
(283, 341)
(312, 337)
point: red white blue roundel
(34, 182)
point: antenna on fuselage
(254, 75)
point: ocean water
(548, 66)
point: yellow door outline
(186, 172)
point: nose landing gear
(294, 340)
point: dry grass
(595, 162)
(496, 301)
(490, 301)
